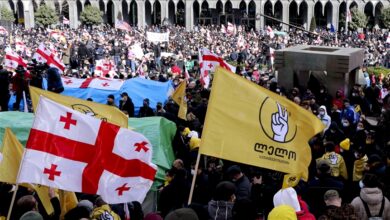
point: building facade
(189, 13)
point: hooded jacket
(325, 119)
(103, 212)
(358, 168)
(337, 164)
(373, 197)
(220, 210)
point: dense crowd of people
(349, 176)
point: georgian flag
(13, 60)
(104, 67)
(72, 151)
(44, 55)
(96, 83)
(19, 45)
(270, 32)
(3, 31)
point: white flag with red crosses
(75, 152)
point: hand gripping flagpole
(194, 179)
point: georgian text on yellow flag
(104, 112)
(250, 124)
(179, 97)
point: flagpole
(12, 202)
(194, 179)
(346, 16)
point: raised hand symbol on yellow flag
(249, 124)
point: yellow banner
(252, 125)
(103, 112)
(12, 151)
(179, 97)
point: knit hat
(282, 212)
(111, 96)
(287, 196)
(31, 215)
(345, 144)
(182, 214)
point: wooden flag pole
(194, 179)
(12, 202)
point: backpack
(369, 216)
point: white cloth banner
(157, 37)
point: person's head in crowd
(182, 214)
(297, 100)
(26, 203)
(90, 99)
(31, 215)
(339, 94)
(146, 102)
(110, 100)
(225, 192)
(329, 146)
(124, 96)
(78, 212)
(345, 122)
(346, 103)
(136, 212)
(375, 164)
(332, 198)
(323, 168)
(178, 164)
(371, 180)
(153, 216)
(234, 172)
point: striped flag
(13, 60)
(119, 24)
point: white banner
(157, 37)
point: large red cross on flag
(75, 152)
(44, 55)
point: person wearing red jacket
(20, 82)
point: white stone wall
(28, 9)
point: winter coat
(243, 188)
(104, 212)
(220, 210)
(325, 119)
(337, 164)
(358, 168)
(373, 197)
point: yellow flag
(103, 112)
(12, 151)
(179, 97)
(68, 201)
(250, 124)
(290, 180)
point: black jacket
(145, 111)
(127, 106)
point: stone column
(164, 10)
(60, 6)
(286, 15)
(189, 14)
(28, 14)
(262, 20)
(141, 13)
(259, 22)
(117, 10)
(335, 14)
(73, 18)
(310, 13)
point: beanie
(182, 214)
(31, 215)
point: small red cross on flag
(52, 172)
(210, 65)
(68, 120)
(69, 81)
(122, 189)
(105, 84)
(141, 146)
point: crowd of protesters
(349, 177)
